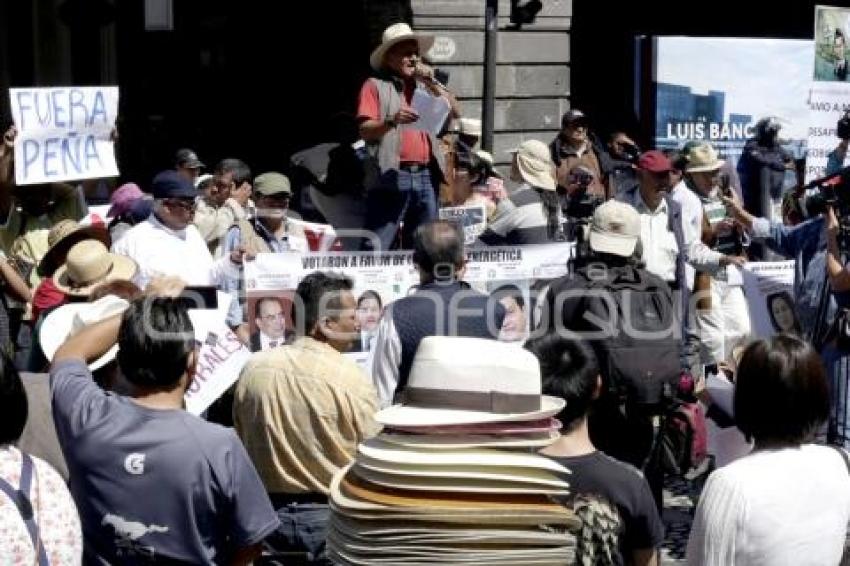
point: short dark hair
(781, 392)
(318, 291)
(569, 370)
(678, 158)
(438, 244)
(238, 168)
(512, 291)
(13, 402)
(370, 294)
(155, 341)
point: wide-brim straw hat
(703, 158)
(90, 264)
(68, 320)
(452, 442)
(457, 380)
(395, 34)
(63, 236)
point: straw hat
(703, 157)
(457, 380)
(394, 34)
(89, 264)
(62, 237)
(68, 320)
(535, 165)
(448, 483)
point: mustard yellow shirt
(301, 410)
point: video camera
(581, 204)
(830, 191)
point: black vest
(443, 310)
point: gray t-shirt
(154, 485)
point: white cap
(615, 229)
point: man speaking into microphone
(411, 161)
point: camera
(579, 203)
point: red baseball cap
(655, 162)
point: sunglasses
(186, 204)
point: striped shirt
(519, 220)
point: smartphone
(200, 297)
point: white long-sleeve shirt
(699, 256)
(160, 251)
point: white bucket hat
(615, 229)
(68, 320)
(457, 380)
(394, 34)
(534, 162)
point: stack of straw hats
(454, 477)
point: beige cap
(615, 229)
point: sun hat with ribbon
(89, 264)
(68, 320)
(458, 380)
(394, 34)
(535, 165)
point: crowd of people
(101, 464)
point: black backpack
(639, 346)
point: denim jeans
(402, 195)
(300, 538)
(838, 371)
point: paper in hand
(432, 110)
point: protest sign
(768, 287)
(829, 98)
(220, 359)
(473, 220)
(64, 133)
(510, 271)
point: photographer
(576, 145)
(623, 154)
(762, 168)
(814, 245)
(835, 159)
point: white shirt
(385, 359)
(774, 508)
(699, 255)
(160, 251)
(266, 341)
(659, 243)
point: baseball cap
(573, 116)
(269, 184)
(654, 161)
(615, 229)
(171, 184)
(187, 158)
